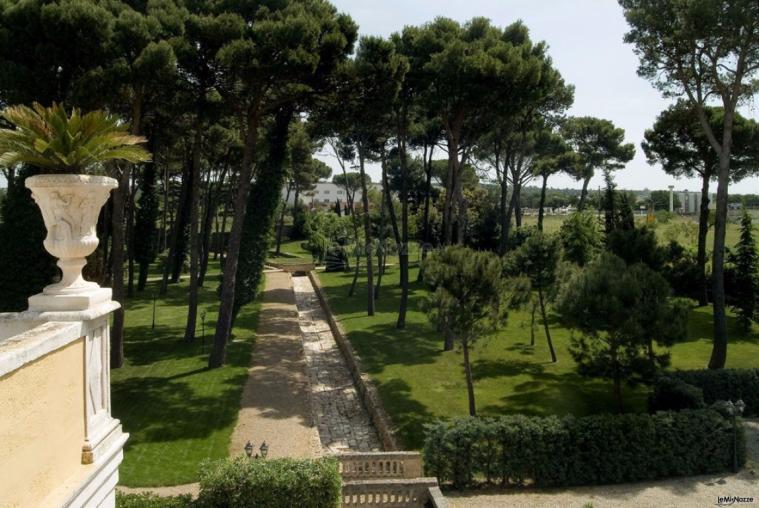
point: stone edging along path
(366, 388)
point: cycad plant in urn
(73, 148)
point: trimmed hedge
(671, 394)
(270, 483)
(152, 501)
(566, 451)
(725, 384)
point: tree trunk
(584, 194)
(719, 350)
(164, 215)
(117, 261)
(426, 219)
(403, 245)
(192, 301)
(183, 221)
(226, 307)
(130, 237)
(449, 343)
(352, 289)
(229, 201)
(117, 267)
(469, 379)
(367, 236)
(205, 231)
(703, 229)
(518, 206)
(545, 324)
(616, 376)
(281, 224)
(541, 208)
(503, 215)
(176, 230)
(533, 310)
(450, 188)
(509, 213)
(381, 253)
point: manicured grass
(291, 252)
(177, 411)
(418, 382)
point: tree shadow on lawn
(561, 394)
(144, 346)
(701, 327)
(380, 346)
(408, 414)
(161, 409)
(482, 369)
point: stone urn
(70, 206)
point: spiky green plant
(49, 138)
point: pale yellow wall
(41, 425)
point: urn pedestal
(70, 205)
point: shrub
(272, 483)
(152, 501)
(671, 394)
(580, 237)
(566, 451)
(725, 384)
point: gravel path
(341, 417)
(275, 405)
(690, 492)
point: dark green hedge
(672, 394)
(271, 483)
(597, 449)
(725, 384)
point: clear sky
(585, 39)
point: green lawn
(418, 382)
(291, 252)
(177, 412)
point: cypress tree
(262, 210)
(145, 231)
(746, 282)
(27, 267)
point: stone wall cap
(18, 350)
(71, 315)
(58, 180)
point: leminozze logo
(731, 500)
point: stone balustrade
(377, 465)
(387, 479)
(395, 493)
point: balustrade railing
(378, 465)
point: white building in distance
(325, 194)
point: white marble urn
(70, 206)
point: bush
(725, 384)
(152, 501)
(272, 483)
(672, 394)
(566, 451)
